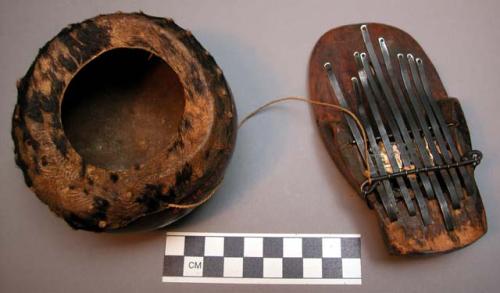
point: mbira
(412, 159)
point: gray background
(280, 178)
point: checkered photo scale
(262, 258)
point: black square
(173, 265)
(233, 246)
(351, 247)
(311, 247)
(213, 266)
(253, 267)
(273, 247)
(293, 267)
(332, 268)
(194, 246)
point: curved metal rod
(473, 158)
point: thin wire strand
(198, 203)
(367, 172)
(323, 104)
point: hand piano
(420, 160)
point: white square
(233, 267)
(214, 246)
(351, 268)
(313, 267)
(174, 245)
(193, 266)
(331, 247)
(292, 247)
(253, 247)
(273, 268)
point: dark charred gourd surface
(130, 113)
(120, 116)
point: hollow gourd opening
(123, 108)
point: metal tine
(410, 132)
(466, 175)
(383, 133)
(427, 159)
(431, 185)
(420, 113)
(448, 220)
(435, 126)
(402, 102)
(374, 147)
(424, 212)
(350, 123)
(388, 201)
(414, 128)
(403, 130)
